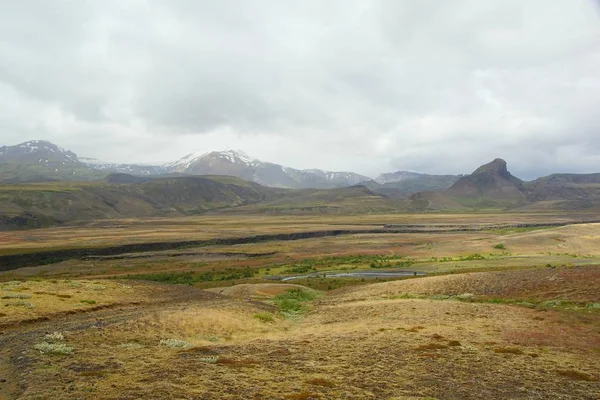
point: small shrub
(175, 344)
(20, 303)
(54, 336)
(131, 346)
(12, 283)
(500, 246)
(593, 306)
(210, 359)
(54, 348)
(211, 338)
(469, 349)
(16, 296)
(454, 343)
(97, 287)
(265, 317)
(551, 303)
(471, 257)
(88, 301)
(293, 301)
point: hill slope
(403, 183)
(40, 204)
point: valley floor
(518, 321)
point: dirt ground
(352, 344)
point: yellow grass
(372, 341)
(48, 298)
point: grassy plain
(503, 313)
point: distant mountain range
(493, 186)
(40, 160)
(239, 164)
(42, 184)
(489, 186)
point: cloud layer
(348, 85)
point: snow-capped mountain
(41, 160)
(237, 163)
(325, 179)
(203, 161)
(134, 169)
(38, 152)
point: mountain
(38, 160)
(489, 184)
(34, 205)
(134, 169)
(405, 183)
(239, 164)
(564, 191)
(493, 186)
(38, 152)
(398, 176)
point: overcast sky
(368, 86)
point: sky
(355, 85)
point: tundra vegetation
(498, 313)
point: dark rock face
(491, 183)
(498, 166)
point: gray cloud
(366, 86)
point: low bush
(265, 317)
(16, 296)
(131, 346)
(189, 278)
(57, 336)
(20, 303)
(54, 348)
(175, 344)
(294, 300)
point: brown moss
(303, 396)
(577, 375)
(508, 350)
(237, 363)
(320, 382)
(431, 346)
